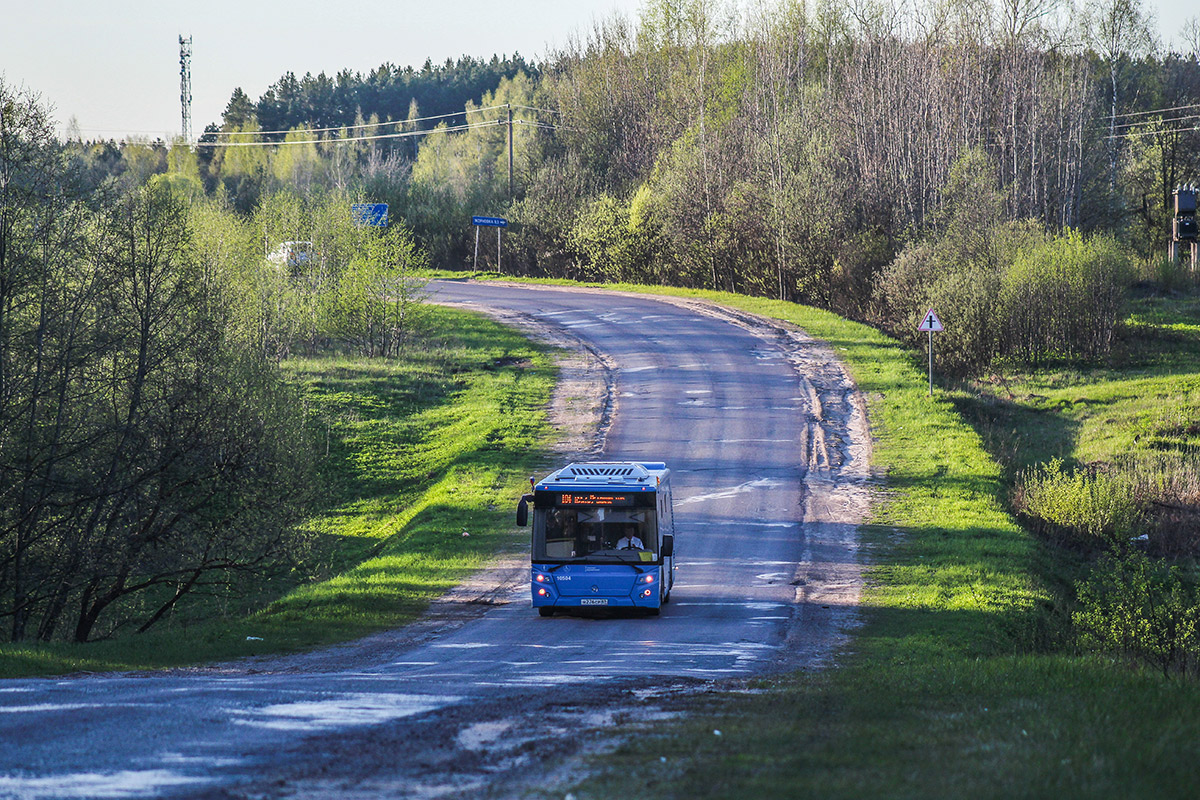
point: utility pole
(185, 86)
(510, 154)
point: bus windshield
(594, 534)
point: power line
(167, 134)
(364, 125)
(1138, 134)
(375, 137)
(391, 122)
(400, 135)
(545, 126)
(1162, 121)
(1154, 111)
(544, 110)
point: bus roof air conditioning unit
(624, 471)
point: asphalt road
(767, 449)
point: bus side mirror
(523, 511)
(668, 545)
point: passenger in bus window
(565, 523)
(630, 540)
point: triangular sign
(930, 322)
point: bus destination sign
(591, 499)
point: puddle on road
(209, 762)
(465, 645)
(339, 712)
(126, 783)
(483, 735)
(38, 707)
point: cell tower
(185, 85)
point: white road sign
(931, 322)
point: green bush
(606, 243)
(1084, 507)
(377, 299)
(1140, 608)
(1006, 290)
(1062, 298)
(968, 297)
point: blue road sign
(370, 214)
(490, 222)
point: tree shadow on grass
(974, 590)
(1016, 436)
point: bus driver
(630, 540)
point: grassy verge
(958, 683)
(420, 450)
(1149, 401)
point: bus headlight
(542, 591)
(540, 578)
(646, 593)
(648, 578)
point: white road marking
(733, 491)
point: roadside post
(488, 222)
(929, 324)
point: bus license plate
(594, 601)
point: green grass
(1147, 399)
(420, 450)
(946, 727)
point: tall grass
(1090, 507)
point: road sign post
(929, 324)
(488, 222)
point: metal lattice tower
(185, 85)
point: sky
(113, 68)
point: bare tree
(1191, 38)
(1117, 30)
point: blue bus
(603, 537)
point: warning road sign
(930, 322)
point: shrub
(966, 301)
(1006, 290)
(377, 299)
(605, 242)
(1062, 298)
(1166, 486)
(1140, 608)
(1085, 507)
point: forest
(868, 158)
(1009, 163)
